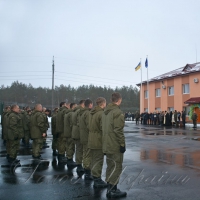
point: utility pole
(53, 69)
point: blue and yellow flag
(138, 66)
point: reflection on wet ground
(151, 151)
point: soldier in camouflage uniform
(53, 131)
(27, 115)
(15, 133)
(38, 131)
(84, 132)
(45, 114)
(194, 119)
(95, 142)
(4, 123)
(70, 146)
(76, 136)
(113, 144)
(62, 140)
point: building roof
(189, 68)
(193, 100)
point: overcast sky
(96, 42)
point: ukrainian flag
(138, 66)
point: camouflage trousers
(54, 142)
(97, 158)
(70, 148)
(62, 141)
(114, 167)
(8, 146)
(26, 137)
(37, 146)
(14, 147)
(79, 152)
(86, 157)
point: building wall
(177, 100)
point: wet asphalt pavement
(159, 164)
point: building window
(146, 94)
(171, 90)
(158, 109)
(187, 110)
(146, 110)
(158, 92)
(171, 108)
(186, 88)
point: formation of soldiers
(82, 131)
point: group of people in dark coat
(163, 118)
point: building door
(197, 110)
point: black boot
(62, 158)
(23, 141)
(55, 153)
(27, 145)
(99, 183)
(13, 160)
(45, 145)
(88, 175)
(80, 169)
(37, 157)
(70, 162)
(113, 192)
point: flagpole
(148, 85)
(141, 101)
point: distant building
(176, 90)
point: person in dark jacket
(53, 132)
(137, 117)
(170, 117)
(183, 116)
(141, 118)
(175, 118)
(150, 118)
(133, 116)
(166, 119)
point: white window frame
(146, 94)
(158, 95)
(186, 87)
(169, 91)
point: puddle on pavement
(176, 156)
(131, 132)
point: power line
(93, 76)
(25, 71)
(24, 75)
(116, 84)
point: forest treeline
(27, 95)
